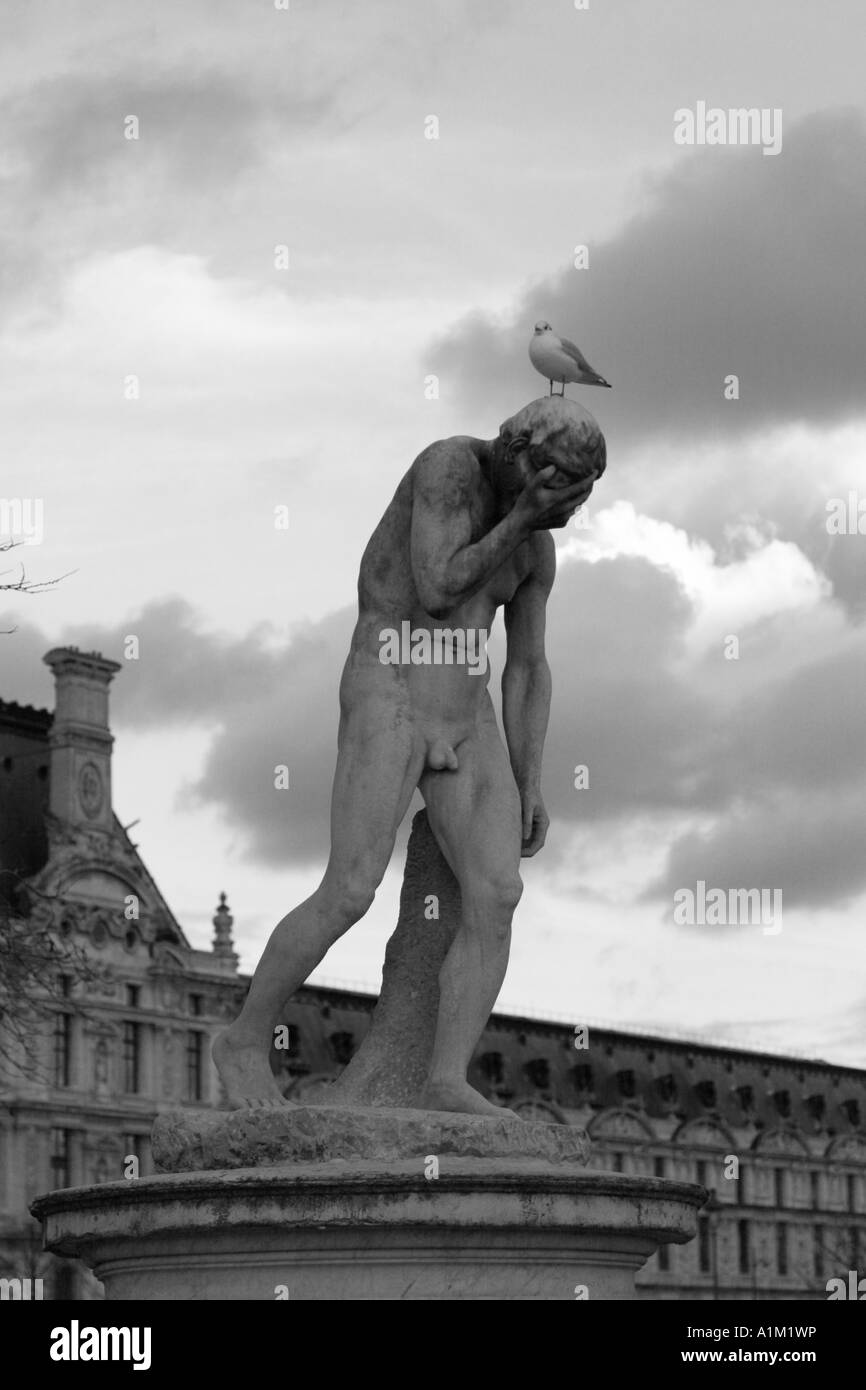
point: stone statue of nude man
(467, 530)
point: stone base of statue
(358, 1194)
(414, 1205)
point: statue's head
(553, 431)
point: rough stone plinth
(484, 1229)
(189, 1141)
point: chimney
(80, 784)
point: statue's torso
(388, 599)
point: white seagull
(559, 360)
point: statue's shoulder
(447, 469)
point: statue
(467, 531)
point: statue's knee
(497, 896)
(346, 903)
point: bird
(559, 360)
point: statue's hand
(535, 823)
(544, 508)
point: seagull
(559, 360)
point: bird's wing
(574, 352)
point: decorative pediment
(619, 1124)
(781, 1141)
(704, 1134)
(102, 869)
(849, 1149)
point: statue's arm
(448, 567)
(526, 689)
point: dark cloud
(739, 263)
(76, 185)
(810, 847)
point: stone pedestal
(408, 1204)
(481, 1230)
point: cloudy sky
(261, 386)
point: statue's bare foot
(460, 1098)
(246, 1075)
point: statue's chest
(504, 582)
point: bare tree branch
(39, 973)
(23, 585)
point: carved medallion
(91, 792)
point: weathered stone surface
(189, 1141)
(488, 1230)
(390, 1067)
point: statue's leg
(378, 765)
(475, 815)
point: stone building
(779, 1142)
(78, 1100)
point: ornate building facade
(132, 1034)
(779, 1142)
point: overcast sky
(305, 387)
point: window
(706, 1094)
(64, 1284)
(782, 1102)
(779, 1186)
(659, 1171)
(582, 1077)
(627, 1084)
(818, 1251)
(62, 1049)
(537, 1073)
(133, 994)
(667, 1088)
(492, 1067)
(782, 1249)
(816, 1191)
(704, 1244)
(702, 1172)
(816, 1106)
(196, 1003)
(131, 1057)
(194, 1065)
(617, 1159)
(664, 1257)
(342, 1047)
(746, 1096)
(60, 1158)
(743, 1246)
(851, 1183)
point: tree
(23, 585)
(39, 973)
